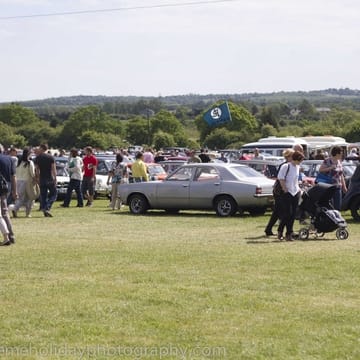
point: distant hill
(316, 97)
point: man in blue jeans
(45, 170)
(75, 166)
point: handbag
(277, 188)
(323, 178)
(33, 190)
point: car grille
(62, 187)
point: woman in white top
(118, 174)
(289, 180)
(25, 177)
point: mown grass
(92, 283)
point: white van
(325, 143)
(274, 146)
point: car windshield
(245, 172)
(104, 166)
(61, 171)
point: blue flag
(218, 115)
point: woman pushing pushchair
(287, 202)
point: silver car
(225, 188)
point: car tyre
(355, 208)
(225, 206)
(138, 204)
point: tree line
(158, 123)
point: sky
(176, 47)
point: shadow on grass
(183, 213)
(272, 239)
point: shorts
(88, 185)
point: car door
(205, 186)
(173, 192)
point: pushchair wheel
(303, 234)
(342, 234)
(318, 235)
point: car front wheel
(138, 204)
(225, 206)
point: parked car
(102, 172)
(62, 180)
(61, 160)
(269, 168)
(311, 169)
(171, 165)
(224, 188)
(156, 172)
(351, 200)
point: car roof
(259, 161)
(214, 164)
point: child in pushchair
(316, 202)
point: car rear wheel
(355, 208)
(138, 204)
(225, 206)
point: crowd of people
(289, 176)
(33, 175)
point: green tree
(162, 139)
(9, 137)
(166, 121)
(269, 116)
(137, 131)
(94, 139)
(16, 115)
(142, 130)
(221, 138)
(242, 122)
(268, 130)
(89, 119)
(39, 132)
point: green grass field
(91, 283)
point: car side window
(183, 174)
(207, 174)
(316, 170)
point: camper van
(274, 146)
(325, 143)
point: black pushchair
(316, 202)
